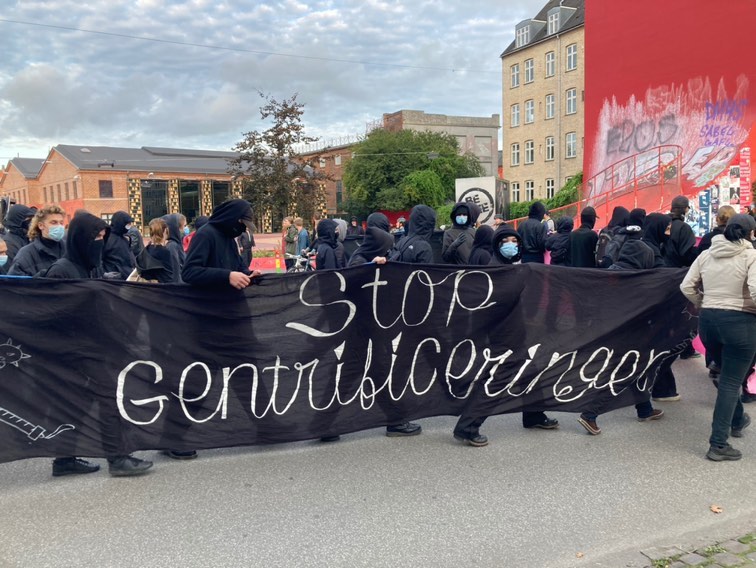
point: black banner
(96, 368)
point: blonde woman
(46, 243)
(155, 261)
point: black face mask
(238, 229)
(94, 253)
(25, 224)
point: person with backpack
(619, 220)
(558, 243)
(46, 233)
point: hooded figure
(632, 231)
(341, 232)
(634, 255)
(558, 243)
(355, 228)
(620, 217)
(654, 235)
(481, 249)
(619, 220)
(502, 243)
(414, 247)
(326, 245)
(680, 248)
(380, 221)
(582, 243)
(377, 242)
(458, 240)
(533, 233)
(175, 244)
(83, 248)
(214, 254)
(637, 217)
(117, 257)
(16, 228)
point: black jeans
(730, 336)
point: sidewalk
(740, 551)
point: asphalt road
(530, 499)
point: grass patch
(713, 549)
(747, 539)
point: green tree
(278, 181)
(397, 170)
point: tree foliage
(570, 193)
(397, 170)
(278, 181)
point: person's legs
(538, 419)
(468, 430)
(665, 386)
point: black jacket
(414, 247)
(213, 255)
(505, 231)
(83, 253)
(16, 227)
(582, 247)
(653, 235)
(481, 249)
(155, 263)
(558, 243)
(705, 242)
(457, 243)
(175, 243)
(326, 246)
(680, 247)
(117, 255)
(36, 257)
(379, 220)
(377, 242)
(533, 233)
(635, 255)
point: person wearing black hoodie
(176, 223)
(655, 228)
(84, 247)
(533, 234)
(17, 222)
(481, 249)
(507, 250)
(326, 245)
(680, 249)
(376, 243)
(558, 243)
(47, 245)
(380, 221)
(632, 231)
(619, 220)
(414, 247)
(581, 252)
(458, 240)
(117, 259)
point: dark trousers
(665, 384)
(730, 336)
(643, 409)
(468, 426)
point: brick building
(543, 81)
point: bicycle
(303, 262)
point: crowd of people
(217, 253)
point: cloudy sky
(193, 78)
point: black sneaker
(547, 424)
(738, 432)
(477, 441)
(693, 355)
(176, 455)
(125, 466)
(72, 466)
(747, 398)
(405, 429)
(330, 438)
(724, 453)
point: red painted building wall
(671, 72)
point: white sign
(480, 191)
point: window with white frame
(515, 121)
(515, 191)
(572, 57)
(550, 106)
(529, 71)
(515, 154)
(529, 111)
(529, 152)
(553, 23)
(322, 162)
(337, 160)
(515, 75)
(550, 148)
(522, 36)
(529, 190)
(550, 188)
(571, 101)
(570, 142)
(550, 64)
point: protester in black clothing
(507, 249)
(558, 243)
(47, 245)
(376, 244)
(723, 215)
(581, 252)
(380, 221)
(533, 233)
(458, 239)
(680, 248)
(155, 262)
(326, 245)
(414, 247)
(355, 228)
(176, 223)
(655, 234)
(481, 249)
(117, 260)
(609, 241)
(17, 222)
(84, 248)
(632, 231)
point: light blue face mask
(186, 230)
(461, 219)
(3, 259)
(508, 250)
(57, 232)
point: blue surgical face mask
(461, 219)
(508, 250)
(186, 230)
(57, 232)
(3, 259)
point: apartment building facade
(543, 81)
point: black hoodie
(481, 249)
(377, 242)
(380, 221)
(582, 243)
(533, 234)
(654, 227)
(214, 255)
(634, 255)
(415, 246)
(16, 227)
(117, 256)
(501, 232)
(175, 242)
(458, 240)
(326, 245)
(83, 252)
(558, 243)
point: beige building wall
(560, 168)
